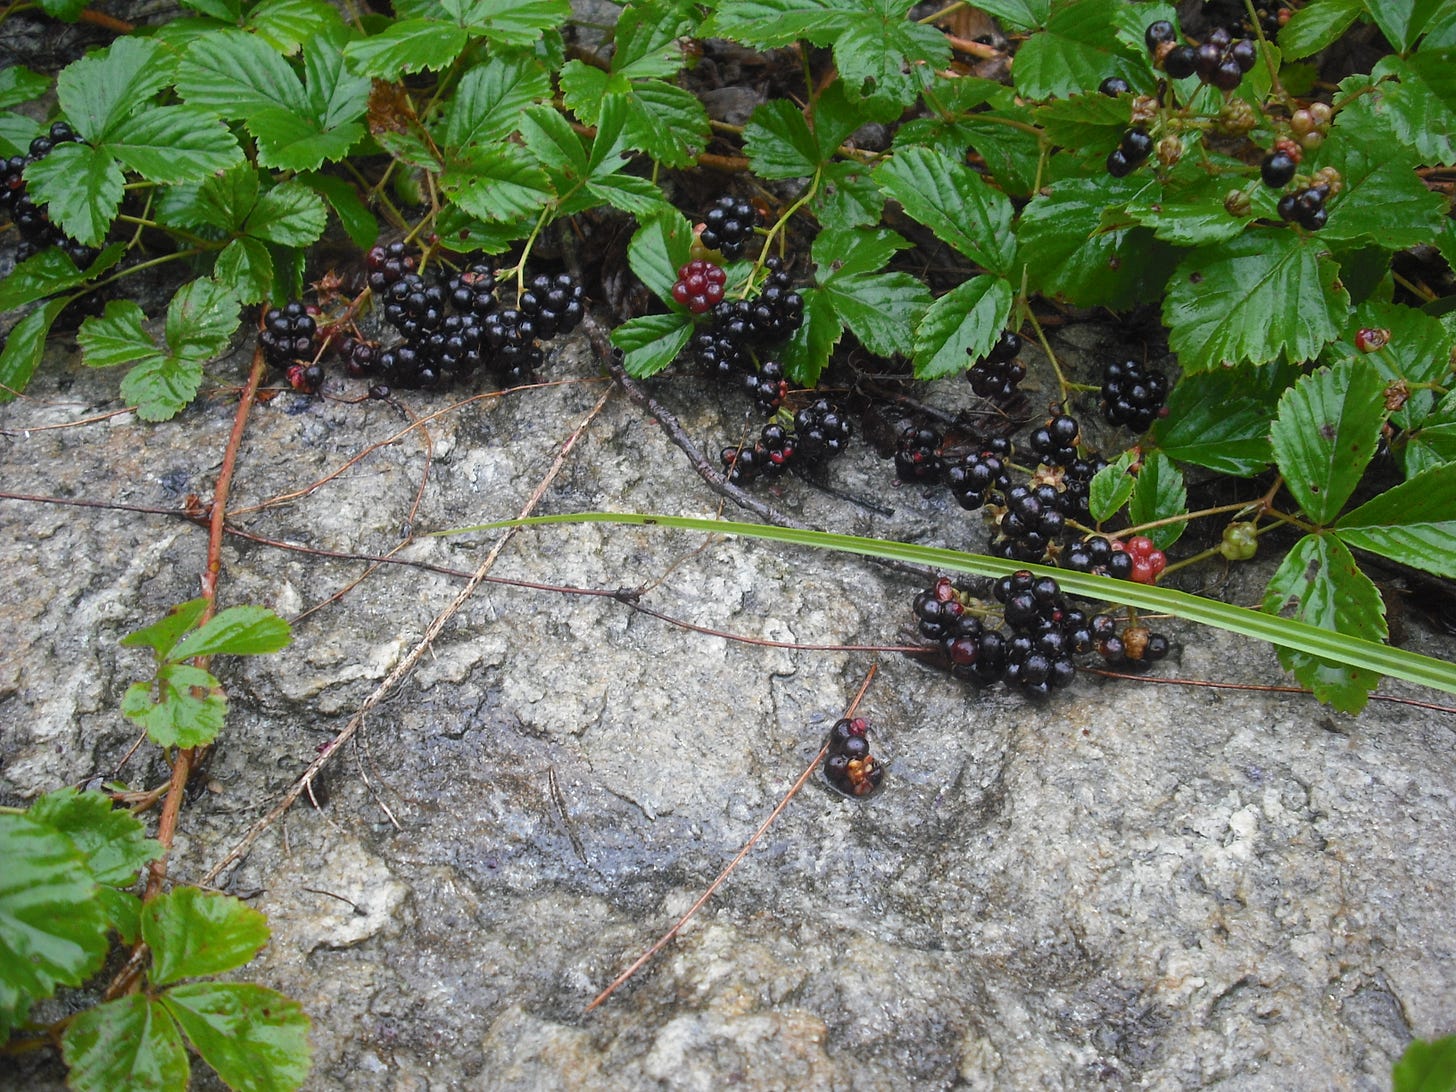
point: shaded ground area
(1135, 885)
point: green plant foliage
(1426, 1066)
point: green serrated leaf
(112, 840)
(194, 933)
(19, 84)
(161, 386)
(1422, 104)
(1426, 1067)
(1426, 447)
(1091, 123)
(81, 187)
(126, 1043)
(410, 45)
(779, 143)
(236, 75)
(288, 24)
(650, 343)
(1111, 487)
(52, 927)
(667, 122)
(16, 133)
(955, 203)
(847, 253)
(1269, 293)
(290, 214)
(1158, 495)
(24, 345)
(806, 353)
(1325, 435)
(775, 23)
(222, 201)
(1413, 523)
(1021, 14)
(658, 249)
(237, 631)
(201, 319)
(549, 137)
(1383, 200)
(608, 153)
(961, 326)
(848, 197)
(174, 144)
(162, 635)
(1192, 212)
(510, 22)
(488, 101)
(228, 11)
(354, 216)
(186, 708)
(245, 269)
(881, 309)
(40, 275)
(1316, 25)
(879, 51)
(104, 87)
(292, 142)
(255, 1038)
(631, 194)
(649, 37)
(116, 336)
(1318, 583)
(499, 183)
(1219, 421)
(1074, 51)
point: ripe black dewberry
(976, 477)
(822, 430)
(509, 344)
(1098, 556)
(471, 291)
(1114, 86)
(387, 264)
(996, 376)
(556, 304)
(1132, 395)
(1277, 169)
(767, 387)
(1136, 145)
(699, 286)
(1031, 523)
(288, 334)
(1118, 165)
(1056, 441)
(848, 764)
(728, 225)
(413, 307)
(917, 454)
(777, 310)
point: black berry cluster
(1132, 394)
(848, 764)
(917, 454)
(1306, 207)
(1033, 520)
(818, 432)
(980, 474)
(768, 386)
(1055, 442)
(288, 334)
(741, 330)
(32, 222)
(728, 225)
(996, 376)
(1220, 60)
(1134, 148)
(386, 264)
(1097, 556)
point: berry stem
(1065, 387)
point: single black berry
(1277, 169)
(1114, 86)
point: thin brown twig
(402, 670)
(753, 839)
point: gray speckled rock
(1134, 886)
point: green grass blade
(1394, 662)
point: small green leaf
(104, 87)
(848, 197)
(354, 216)
(1383, 200)
(549, 137)
(807, 351)
(410, 45)
(245, 268)
(162, 635)
(499, 183)
(1318, 583)
(193, 933)
(174, 144)
(1426, 1067)
(658, 249)
(288, 215)
(1325, 434)
(24, 345)
(81, 187)
(201, 319)
(112, 840)
(161, 386)
(881, 309)
(188, 712)
(1111, 487)
(237, 631)
(779, 143)
(1316, 25)
(961, 326)
(1413, 523)
(650, 343)
(1076, 49)
(115, 336)
(881, 53)
(42, 275)
(510, 22)
(1218, 420)
(52, 927)
(288, 24)
(19, 84)
(255, 1038)
(1158, 495)
(649, 39)
(127, 1043)
(489, 99)
(955, 203)
(667, 122)
(775, 23)
(1267, 293)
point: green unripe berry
(1239, 542)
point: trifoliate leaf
(1219, 420)
(1315, 26)
(961, 326)
(1413, 523)
(173, 143)
(24, 344)
(1325, 434)
(658, 249)
(1074, 51)
(847, 253)
(1319, 583)
(129, 1042)
(779, 143)
(193, 933)
(1158, 495)
(81, 187)
(236, 631)
(489, 98)
(186, 708)
(410, 45)
(955, 203)
(104, 87)
(649, 343)
(52, 926)
(1111, 487)
(1270, 292)
(255, 1038)
(290, 214)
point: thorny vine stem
(733, 864)
(405, 666)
